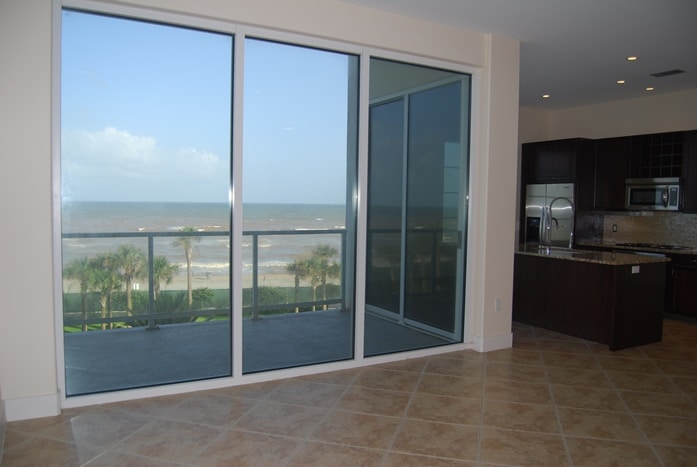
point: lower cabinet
(682, 286)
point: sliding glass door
(416, 207)
(299, 157)
(145, 178)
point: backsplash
(640, 226)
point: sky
(146, 115)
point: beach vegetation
(300, 270)
(131, 263)
(187, 242)
(163, 271)
(321, 268)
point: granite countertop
(610, 258)
(683, 250)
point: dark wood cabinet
(689, 187)
(558, 161)
(682, 285)
(612, 162)
(618, 305)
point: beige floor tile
(587, 398)
(343, 377)
(211, 409)
(451, 385)
(513, 416)
(677, 457)
(599, 424)
(510, 391)
(567, 360)
(522, 448)
(374, 401)
(669, 430)
(249, 391)
(594, 453)
(46, 452)
(357, 429)
(240, 448)
(652, 403)
(547, 345)
(515, 372)
(98, 428)
(335, 455)
(120, 459)
(542, 333)
(633, 365)
(677, 368)
(524, 343)
(154, 406)
(415, 364)
(395, 459)
(437, 439)
(297, 391)
(282, 419)
(39, 425)
(169, 440)
(381, 378)
(648, 382)
(687, 384)
(577, 377)
(455, 367)
(447, 409)
(521, 357)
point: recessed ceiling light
(650, 88)
(545, 96)
(620, 81)
(632, 58)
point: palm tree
(163, 271)
(131, 263)
(105, 280)
(322, 268)
(299, 271)
(79, 270)
(187, 242)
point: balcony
(161, 346)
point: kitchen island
(602, 296)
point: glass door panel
(145, 177)
(298, 210)
(416, 207)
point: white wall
(651, 114)
(28, 374)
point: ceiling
(575, 50)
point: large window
(145, 159)
(201, 239)
(417, 185)
(299, 164)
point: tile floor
(551, 400)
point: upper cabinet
(689, 173)
(612, 168)
(561, 161)
(657, 155)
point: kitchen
(627, 203)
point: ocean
(211, 255)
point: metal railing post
(255, 276)
(151, 284)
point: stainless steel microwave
(661, 194)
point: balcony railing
(254, 308)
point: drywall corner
(3, 425)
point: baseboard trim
(490, 343)
(26, 408)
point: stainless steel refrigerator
(560, 227)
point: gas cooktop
(654, 246)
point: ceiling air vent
(667, 73)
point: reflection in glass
(416, 207)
